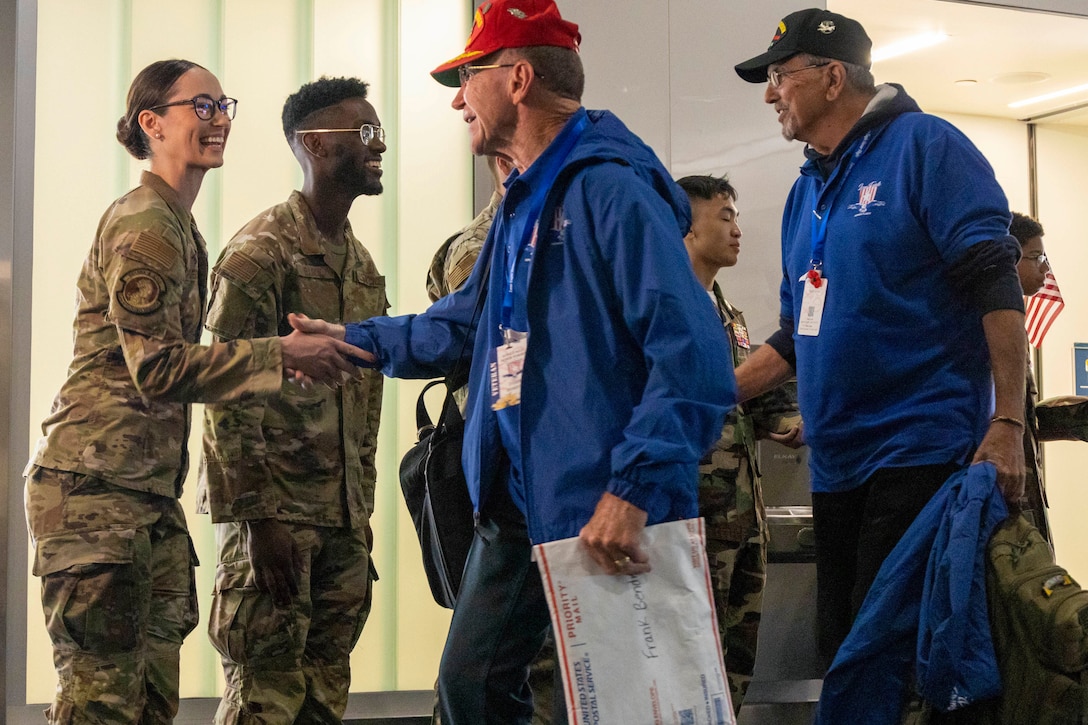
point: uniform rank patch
(141, 291)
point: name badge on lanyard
(506, 364)
(815, 284)
(812, 303)
(507, 361)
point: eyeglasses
(204, 106)
(1040, 259)
(368, 132)
(775, 77)
(466, 72)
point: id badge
(812, 306)
(507, 361)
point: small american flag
(1041, 310)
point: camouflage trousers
(118, 592)
(290, 664)
(737, 551)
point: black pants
(855, 532)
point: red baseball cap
(503, 24)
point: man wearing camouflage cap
(289, 481)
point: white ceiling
(1010, 54)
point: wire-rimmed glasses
(368, 132)
(775, 76)
(465, 72)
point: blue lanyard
(533, 206)
(819, 221)
(819, 237)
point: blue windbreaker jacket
(927, 607)
(627, 376)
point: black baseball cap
(814, 31)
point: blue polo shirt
(899, 374)
(516, 245)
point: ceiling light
(1049, 96)
(908, 45)
(1020, 78)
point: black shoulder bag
(433, 483)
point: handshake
(315, 352)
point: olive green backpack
(1039, 621)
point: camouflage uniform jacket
(733, 460)
(454, 260)
(122, 415)
(306, 456)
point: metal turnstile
(788, 672)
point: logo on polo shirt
(558, 231)
(866, 198)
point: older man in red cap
(596, 382)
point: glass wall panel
(1062, 157)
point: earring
(158, 136)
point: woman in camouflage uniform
(111, 543)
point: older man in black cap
(901, 309)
